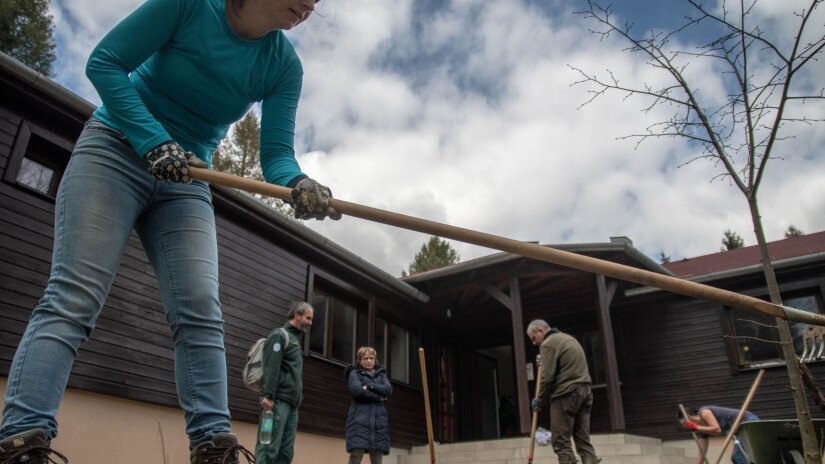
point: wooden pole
(535, 423)
(695, 437)
(427, 412)
(741, 414)
(530, 250)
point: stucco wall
(97, 428)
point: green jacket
(282, 366)
(563, 366)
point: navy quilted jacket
(367, 426)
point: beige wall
(97, 428)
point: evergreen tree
(240, 153)
(731, 240)
(663, 258)
(435, 253)
(26, 29)
(793, 231)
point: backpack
(253, 370)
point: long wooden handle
(535, 423)
(741, 414)
(695, 437)
(427, 412)
(530, 250)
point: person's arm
(278, 113)
(271, 361)
(130, 43)
(381, 386)
(548, 374)
(712, 425)
(358, 390)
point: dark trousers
(355, 456)
(281, 449)
(570, 418)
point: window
(398, 352)
(756, 335)
(38, 160)
(337, 325)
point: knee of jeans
(199, 311)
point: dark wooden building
(648, 350)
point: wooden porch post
(513, 303)
(614, 393)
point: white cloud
(464, 114)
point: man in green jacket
(565, 382)
(282, 360)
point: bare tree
(766, 85)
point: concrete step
(612, 448)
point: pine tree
(435, 253)
(731, 240)
(793, 231)
(26, 29)
(663, 258)
(240, 153)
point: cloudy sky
(463, 112)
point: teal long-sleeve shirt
(175, 70)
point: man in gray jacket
(564, 382)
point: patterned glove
(311, 200)
(169, 161)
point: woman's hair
(365, 350)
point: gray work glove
(169, 161)
(311, 200)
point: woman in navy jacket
(367, 428)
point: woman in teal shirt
(172, 76)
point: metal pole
(530, 250)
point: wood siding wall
(130, 353)
(673, 350)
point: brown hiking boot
(29, 447)
(222, 449)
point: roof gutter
(798, 260)
(45, 85)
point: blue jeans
(105, 193)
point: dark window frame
(336, 289)
(26, 133)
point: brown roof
(793, 247)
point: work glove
(169, 161)
(311, 200)
(690, 425)
(534, 404)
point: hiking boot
(222, 449)
(29, 447)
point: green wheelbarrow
(775, 441)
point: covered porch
(482, 379)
